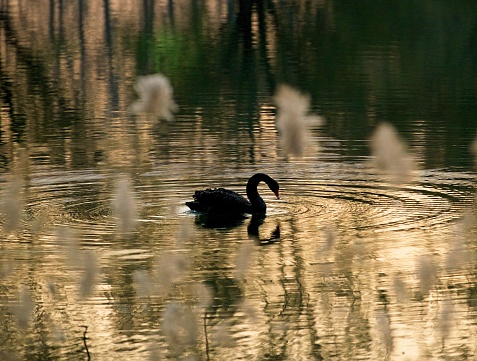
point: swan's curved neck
(252, 192)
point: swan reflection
(227, 222)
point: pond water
(348, 264)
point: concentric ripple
(330, 195)
(365, 202)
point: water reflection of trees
(69, 75)
(77, 66)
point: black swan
(222, 201)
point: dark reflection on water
(344, 266)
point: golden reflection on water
(362, 269)
(333, 278)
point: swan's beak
(277, 194)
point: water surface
(347, 265)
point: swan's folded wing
(220, 201)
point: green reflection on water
(361, 269)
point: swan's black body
(222, 201)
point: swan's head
(274, 187)
(262, 177)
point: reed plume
(391, 155)
(180, 326)
(155, 97)
(401, 289)
(473, 149)
(427, 273)
(124, 205)
(445, 319)
(383, 325)
(11, 205)
(293, 121)
(23, 309)
(459, 256)
(243, 260)
(67, 241)
(143, 283)
(90, 274)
